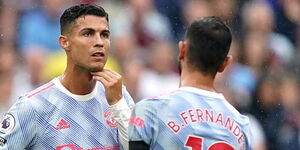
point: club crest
(109, 119)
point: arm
(143, 126)
(120, 110)
(121, 113)
(18, 126)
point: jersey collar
(75, 96)
(202, 92)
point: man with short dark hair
(195, 116)
(85, 108)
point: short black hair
(209, 42)
(74, 12)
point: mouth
(98, 54)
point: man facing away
(195, 116)
(85, 108)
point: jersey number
(196, 144)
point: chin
(96, 69)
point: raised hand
(112, 82)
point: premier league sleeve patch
(7, 124)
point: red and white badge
(109, 119)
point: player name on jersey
(204, 115)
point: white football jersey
(189, 118)
(51, 117)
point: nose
(98, 41)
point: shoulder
(32, 98)
(148, 102)
(42, 90)
(21, 111)
(37, 104)
(40, 98)
(242, 119)
(158, 103)
(29, 101)
(146, 107)
(167, 98)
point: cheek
(79, 52)
(107, 45)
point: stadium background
(262, 82)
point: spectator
(258, 18)
(289, 130)
(267, 109)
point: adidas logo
(62, 125)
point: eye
(87, 34)
(105, 34)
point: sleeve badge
(7, 124)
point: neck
(197, 79)
(78, 81)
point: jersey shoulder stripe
(40, 89)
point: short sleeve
(143, 124)
(18, 128)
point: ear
(182, 46)
(226, 62)
(64, 42)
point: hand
(112, 82)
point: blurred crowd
(262, 82)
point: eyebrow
(91, 29)
(105, 31)
(87, 29)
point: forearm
(121, 113)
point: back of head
(71, 14)
(209, 41)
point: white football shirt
(51, 117)
(189, 118)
